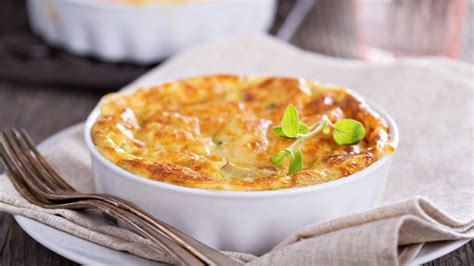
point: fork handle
(205, 253)
(183, 256)
(199, 249)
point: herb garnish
(346, 132)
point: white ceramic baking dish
(143, 33)
(252, 222)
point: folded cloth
(430, 99)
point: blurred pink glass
(379, 30)
(396, 28)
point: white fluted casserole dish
(246, 221)
(143, 33)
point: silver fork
(41, 185)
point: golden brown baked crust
(214, 132)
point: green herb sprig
(346, 132)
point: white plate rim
(28, 225)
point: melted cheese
(214, 132)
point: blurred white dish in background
(142, 2)
(143, 33)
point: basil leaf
(278, 131)
(278, 158)
(290, 122)
(302, 128)
(348, 132)
(296, 163)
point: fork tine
(23, 168)
(33, 177)
(28, 141)
(9, 168)
(37, 172)
(25, 171)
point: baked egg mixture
(214, 132)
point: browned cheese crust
(214, 132)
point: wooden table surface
(45, 90)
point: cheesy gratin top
(214, 132)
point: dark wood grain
(60, 95)
(26, 58)
(461, 256)
(20, 249)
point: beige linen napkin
(430, 99)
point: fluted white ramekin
(254, 221)
(143, 33)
